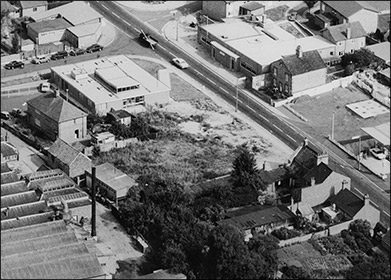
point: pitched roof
(26, 221)
(63, 151)
(310, 61)
(24, 210)
(52, 183)
(18, 198)
(6, 6)
(251, 6)
(120, 114)
(55, 108)
(261, 217)
(32, 4)
(348, 202)
(49, 25)
(381, 50)
(13, 188)
(380, 6)
(306, 158)
(339, 32)
(162, 274)
(9, 178)
(274, 175)
(349, 8)
(50, 173)
(8, 149)
(5, 168)
(320, 173)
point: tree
(244, 163)
(310, 4)
(294, 272)
(15, 43)
(361, 58)
(375, 267)
(349, 69)
(360, 226)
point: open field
(319, 110)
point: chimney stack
(93, 211)
(344, 182)
(299, 52)
(312, 181)
(305, 142)
(366, 199)
(348, 32)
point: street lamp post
(237, 92)
(359, 156)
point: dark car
(94, 48)
(14, 64)
(59, 55)
(77, 52)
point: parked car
(5, 115)
(16, 112)
(179, 62)
(44, 87)
(94, 48)
(40, 59)
(59, 55)
(377, 153)
(77, 52)
(14, 64)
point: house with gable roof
(347, 37)
(74, 163)
(29, 8)
(295, 73)
(365, 12)
(8, 152)
(57, 118)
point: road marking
(342, 166)
(126, 22)
(210, 80)
(163, 48)
(278, 128)
(224, 90)
(386, 213)
(173, 54)
(252, 109)
(115, 14)
(291, 138)
(105, 7)
(198, 72)
(151, 20)
(359, 191)
(263, 118)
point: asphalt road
(288, 133)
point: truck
(147, 38)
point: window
(274, 82)
(280, 87)
(34, 9)
(340, 53)
(275, 71)
(286, 88)
(286, 77)
(331, 53)
(77, 134)
(247, 67)
(37, 122)
(351, 51)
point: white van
(44, 87)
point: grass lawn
(319, 109)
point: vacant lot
(319, 110)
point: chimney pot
(348, 32)
(312, 181)
(305, 142)
(299, 52)
(366, 199)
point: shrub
(284, 233)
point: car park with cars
(14, 64)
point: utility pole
(237, 92)
(332, 128)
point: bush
(284, 233)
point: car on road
(44, 87)
(14, 64)
(5, 115)
(40, 59)
(77, 52)
(59, 55)
(179, 62)
(94, 48)
(377, 153)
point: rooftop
(252, 6)
(381, 50)
(32, 4)
(348, 202)
(49, 25)
(349, 8)
(310, 61)
(9, 177)
(84, 29)
(8, 149)
(339, 32)
(64, 152)
(26, 221)
(67, 11)
(18, 199)
(13, 188)
(122, 67)
(319, 173)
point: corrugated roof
(49, 25)
(13, 188)
(26, 221)
(348, 202)
(9, 178)
(24, 210)
(310, 61)
(18, 198)
(55, 108)
(52, 183)
(31, 231)
(339, 32)
(32, 4)
(51, 173)
(261, 217)
(5, 168)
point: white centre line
(105, 7)
(136, 29)
(116, 15)
(151, 20)
(163, 48)
(251, 109)
(198, 72)
(210, 80)
(291, 138)
(278, 128)
(224, 90)
(359, 191)
(264, 118)
(126, 22)
(173, 54)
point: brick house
(74, 163)
(347, 37)
(57, 118)
(8, 152)
(353, 207)
(259, 218)
(295, 73)
(29, 8)
(352, 11)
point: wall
(29, 12)
(49, 36)
(47, 125)
(370, 22)
(369, 213)
(315, 195)
(79, 165)
(160, 97)
(67, 129)
(335, 229)
(309, 80)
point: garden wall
(333, 230)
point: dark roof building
(319, 173)
(338, 33)
(8, 152)
(18, 198)
(49, 25)
(27, 221)
(24, 210)
(13, 188)
(349, 8)
(5, 168)
(32, 4)
(348, 202)
(9, 177)
(310, 61)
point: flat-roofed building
(113, 82)
(111, 182)
(84, 35)
(48, 31)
